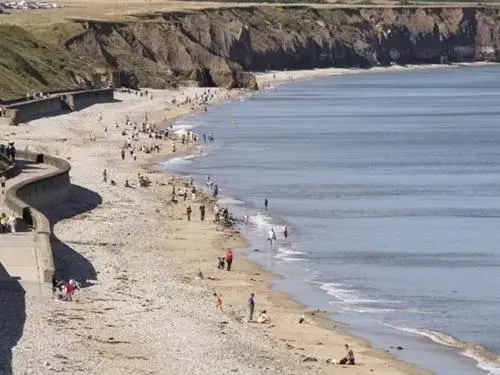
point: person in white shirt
(12, 224)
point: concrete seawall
(82, 99)
(31, 198)
(54, 104)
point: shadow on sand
(12, 317)
(68, 262)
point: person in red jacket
(229, 259)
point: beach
(145, 312)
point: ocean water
(390, 186)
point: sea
(389, 184)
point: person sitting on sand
(349, 358)
(199, 275)
(263, 318)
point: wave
(347, 296)
(486, 360)
(292, 259)
(183, 128)
(288, 254)
(230, 201)
(265, 222)
(182, 160)
(368, 310)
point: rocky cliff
(219, 47)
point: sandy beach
(144, 312)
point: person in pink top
(229, 259)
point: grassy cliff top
(122, 10)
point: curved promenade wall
(20, 111)
(30, 198)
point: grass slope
(29, 64)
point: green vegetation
(29, 64)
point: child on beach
(218, 302)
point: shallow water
(390, 185)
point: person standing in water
(271, 237)
(285, 232)
(266, 203)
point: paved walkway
(17, 253)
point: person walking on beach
(2, 184)
(202, 212)
(216, 213)
(188, 212)
(251, 306)
(285, 232)
(123, 154)
(266, 203)
(229, 259)
(218, 302)
(105, 176)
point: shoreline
(463, 349)
(146, 295)
(280, 77)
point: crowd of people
(186, 194)
(9, 151)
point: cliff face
(219, 47)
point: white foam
(229, 201)
(261, 221)
(350, 297)
(368, 310)
(183, 127)
(486, 360)
(183, 160)
(288, 255)
(291, 259)
(286, 251)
